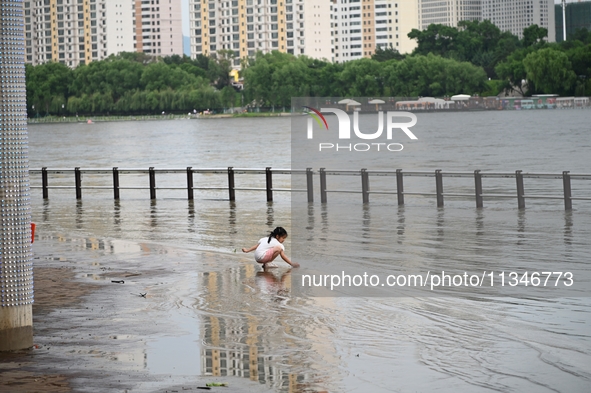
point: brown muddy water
(210, 312)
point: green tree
(433, 76)
(219, 68)
(390, 53)
(512, 71)
(550, 70)
(363, 78)
(47, 85)
(533, 35)
(159, 76)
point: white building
(448, 12)
(77, 32)
(359, 27)
(516, 15)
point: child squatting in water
(267, 249)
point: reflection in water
(271, 283)
(310, 223)
(153, 213)
(251, 330)
(568, 227)
(440, 222)
(116, 215)
(521, 227)
(366, 223)
(479, 223)
(79, 213)
(191, 215)
(400, 228)
(45, 210)
(270, 215)
(232, 218)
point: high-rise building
(360, 27)
(408, 19)
(577, 16)
(157, 26)
(448, 12)
(247, 26)
(508, 15)
(77, 32)
(516, 15)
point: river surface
(244, 322)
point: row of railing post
(365, 185)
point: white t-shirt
(259, 253)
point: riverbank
(101, 119)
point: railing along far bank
(478, 194)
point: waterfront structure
(576, 15)
(243, 27)
(516, 15)
(16, 267)
(77, 32)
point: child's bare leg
(276, 251)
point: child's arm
(286, 259)
(250, 249)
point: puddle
(178, 355)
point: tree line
(473, 58)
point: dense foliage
(474, 58)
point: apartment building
(247, 26)
(157, 26)
(77, 32)
(516, 15)
(362, 26)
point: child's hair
(277, 232)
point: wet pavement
(100, 328)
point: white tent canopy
(460, 97)
(348, 101)
(376, 101)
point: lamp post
(564, 20)
(16, 268)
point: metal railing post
(365, 185)
(78, 179)
(152, 175)
(310, 184)
(478, 188)
(400, 186)
(439, 187)
(116, 183)
(44, 182)
(520, 189)
(322, 185)
(568, 203)
(231, 191)
(269, 183)
(190, 183)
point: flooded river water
(241, 321)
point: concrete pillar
(16, 267)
